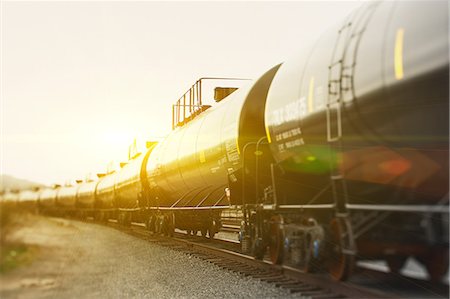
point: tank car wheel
(276, 245)
(150, 224)
(127, 219)
(154, 220)
(244, 238)
(170, 224)
(124, 219)
(211, 233)
(105, 217)
(214, 228)
(173, 225)
(258, 244)
(161, 225)
(96, 216)
(340, 264)
(258, 249)
(158, 225)
(436, 263)
(396, 263)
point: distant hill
(8, 182)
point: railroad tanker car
(358, 128)
(10, 198)
(338, 155)
(47, 199)
(85, 199)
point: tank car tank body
(47, 199)
(189, 171)
(128, 186)
(85, 198)
(105, 201)
(66, 198)
(10, 198)
(358, 127)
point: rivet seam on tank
(398, 54)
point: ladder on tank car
(340, 90)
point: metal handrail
(189, 105)
(260, 141)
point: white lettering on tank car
(295, 109)
(222, 161)
(277, 117)
(232, 154)
(289, 112)
(288, 134)
(294, 143)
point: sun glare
(117, 138)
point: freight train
(338, 155)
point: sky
(81, 80)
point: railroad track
(368, 272)
(215, 251)
(230, 228)
(225, 254)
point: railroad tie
(212, 260)
(328, 296)
(273, 279)
(265, 274)
(287, 283)
(306, 290)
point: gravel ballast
(85, 260)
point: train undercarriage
(333, 243)
(312, 222)
(165, 221)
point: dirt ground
(83, 260)
(47, 239)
